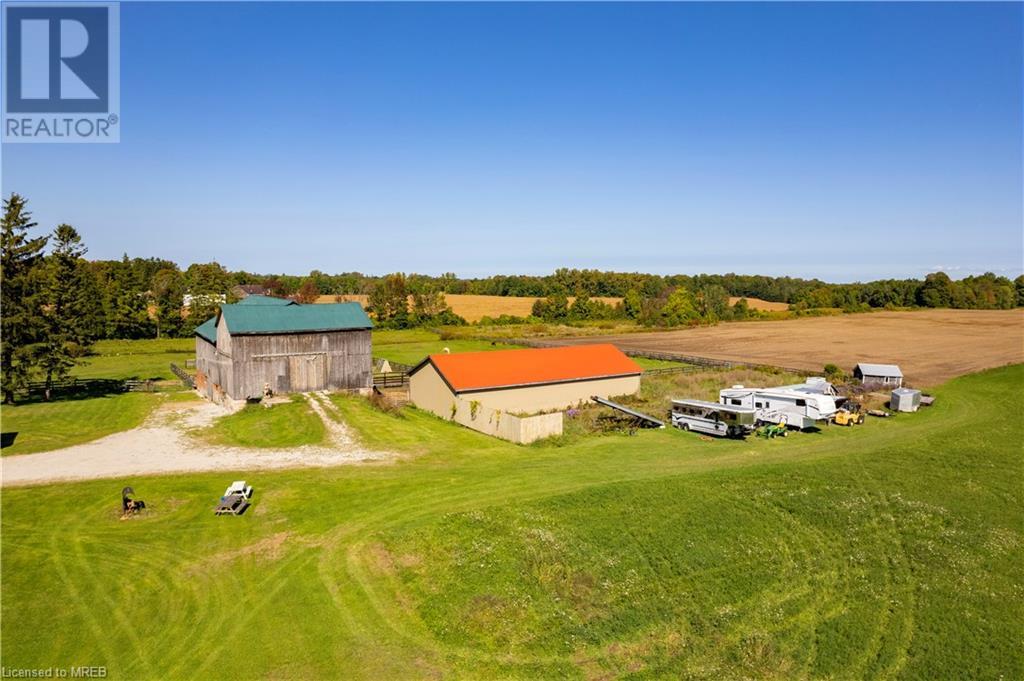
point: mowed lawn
(136, 359)
(42, 426)
(412, 346)
(288, 424)
(890, 550)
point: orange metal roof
(466, 371)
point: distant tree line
(55, 302)
(987, 291)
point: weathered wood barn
(266, 343)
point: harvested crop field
(758, 304)
(930, 346)
(474, 308)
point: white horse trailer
(712, 418)
(795, 408)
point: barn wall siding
(334, 360)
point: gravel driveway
(162, 445)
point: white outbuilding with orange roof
(520, 382)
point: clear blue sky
(844, 141)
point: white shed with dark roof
(887, 375)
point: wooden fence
(672, 370)
(86, 387)
(186, 378)
(393, 379)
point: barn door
(308, 372)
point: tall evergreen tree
(69, 311)
(167, 289)
(20, 322)
(128, 311)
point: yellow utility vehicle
(849, 414)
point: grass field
(887, 551)
(412, 351)
(288, 424)
(43, 426)
(411, 346)
(139, 359)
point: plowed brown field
(930, 346)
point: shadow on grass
(7, 439)
(78, 390)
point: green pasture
(289, 424)
(410, 347)
(42, 426)
(136, 359)
(891, 550)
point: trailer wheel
(685, 427)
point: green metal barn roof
(261, 319)
(256, 299)
(208, 330)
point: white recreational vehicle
(799, 406)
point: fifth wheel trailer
(795, 408)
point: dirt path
(162, 445)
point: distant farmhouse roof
(249, 290)
(474, 371)
(257, 299)
(277, 315)
(879, 370)
(291, 318)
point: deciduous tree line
(55, 302)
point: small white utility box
(905, 399)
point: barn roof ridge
(262, 319)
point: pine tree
(69, 310)
(167, 288)
(21, 322)
(128, 313)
